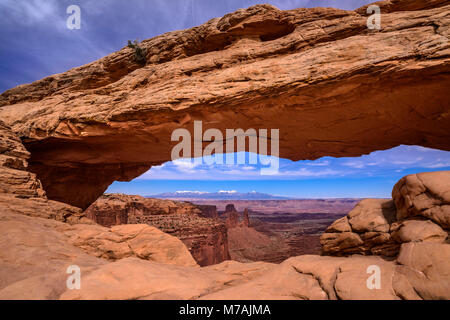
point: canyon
(332, 87)
(214, 236)
(204, 236)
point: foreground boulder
(420, 212)
(132, 240)
(425, 195)
(418, 230)
(425, 268)
(35, 255)
(206, 238)
(365, 230)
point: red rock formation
(20, 190)
(419, 212)
(246, 219)
(424, 195)
(206, 238)
(232, 216)
(208, 211)
(331, 85)
(247, 245)
(258, 67)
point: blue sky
(36, 43)
(371, 175)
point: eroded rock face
(247, 244)
(206, 238)
(20, 191)
(35, 252)
(365, 230)
(332, 86)
(131, 240)
(419, 212)
(15, 179)
(426, 268)
(208, 211)
(246, 219)
(232, 215)
(418, 230)
(424, 194)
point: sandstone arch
(329, 84)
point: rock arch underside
(331, 86)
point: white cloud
(30, 11)
(379, 163)
(319, 163)
(185, 164)
(438, 165)
(354, 164)
(304, 172)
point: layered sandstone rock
(234, 219)
(208, 211)
(258, 67)
(419, 212)
(232, 215)
(246, 219)
(246, 244)
(206, 238)
(20, 190)
(36, 252)
(331, 85)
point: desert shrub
(139, 53)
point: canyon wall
(206, 238)
(331, 86)
(246, 244)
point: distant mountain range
(220, 195)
